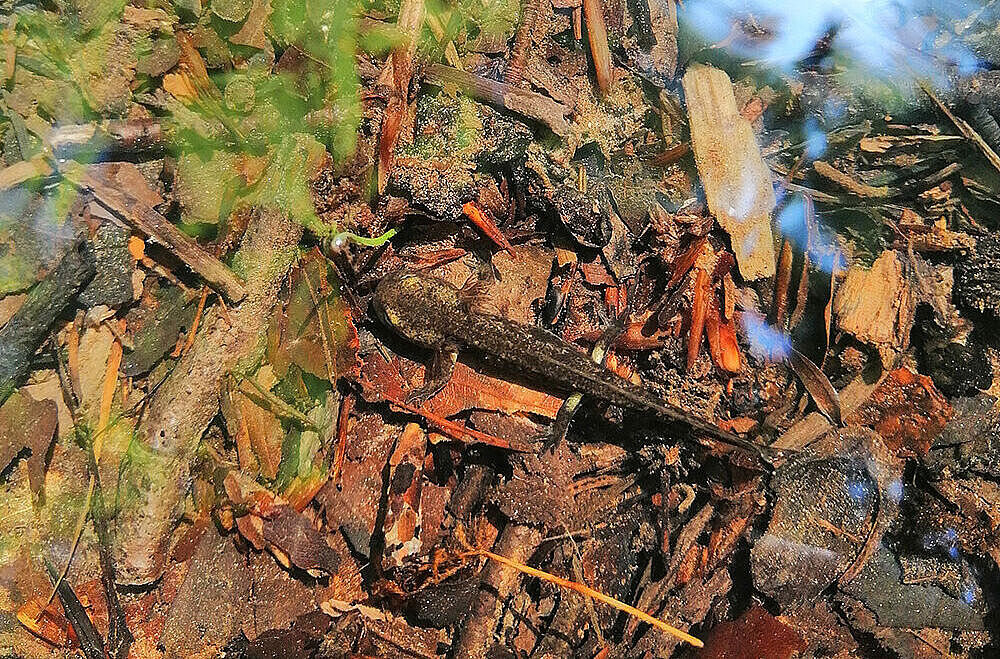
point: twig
(90, 639)
(274, 404)
(528, 103)
(119, 637)
(594, 594)
(140, 216)
(108, 140)
(456, 430)
(597, 35)
(343, 417)
(197, 320)
(967, 131)
(531, 10)
(827, 170)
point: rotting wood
(877, 306)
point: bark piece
(213, 601)
(28, 327)
(529, 103)
(907, 411)
(737, 181)
(877, 305)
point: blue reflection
(894, 491)
(815, 139)
(857, 490)
(946, 540)
(765, 341)
(889, 40)
(791, 219)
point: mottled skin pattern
(432, 313)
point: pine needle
(594, 594)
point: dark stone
(896, 604)
(977, 277)
(958, 369)
(971, 439)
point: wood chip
(737, 181)
(877, 305)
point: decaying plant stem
(531, 104)
(144, 218)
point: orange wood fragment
(722, 343)
(699, 308)
(482, 220)
(45, 623)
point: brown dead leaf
(292, 536)
(27, 423)
(257, 432)
(316, 332)
(466, 390)
(817, 384)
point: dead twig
(587, 591)
(530, 104)
(845, 181)
(144, 218)
(597, 36)
(531, 10)
(967, 131)
(29, 326)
